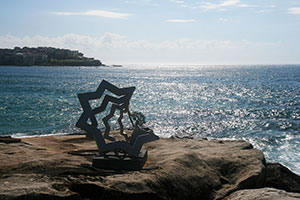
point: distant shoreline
(45, 56)
(54, 66)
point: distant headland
(45, 56)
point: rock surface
(280, 177)
(263, 194)
(60, 167)
(9, 139)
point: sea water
(260, 104)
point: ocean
(256, 103)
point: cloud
(215, 6)
(98, 13)
(295, 10)
(229, 3)
(243, 5)
(226, 3)
(116, 48)
(223, 20)
(177, 1)
(181, 20)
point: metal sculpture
(115, 154)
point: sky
(158, 31)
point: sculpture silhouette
(131, 146)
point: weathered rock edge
(263, 194)
(59, 167)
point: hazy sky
(159, 31)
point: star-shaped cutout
(139, 136)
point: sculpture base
(112, 162)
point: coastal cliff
(45, 56)
(59, 167)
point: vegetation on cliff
(45, 56)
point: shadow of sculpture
(115, 154)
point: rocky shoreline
(59, 167)
(45, 56)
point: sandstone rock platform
(60, 167)
(263, 194)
